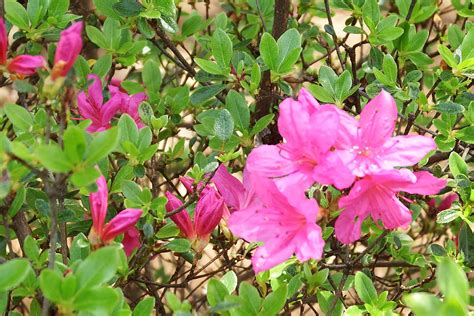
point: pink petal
(377, 120)
(95, 91)
(324, 126)
(98, 203)
(392, 212)
(447, 201)
(123, 221)
(68, 49)
(270, 161)
(309, 243)
(293, 122)
(109, 109)
(181, 219)
(231, 189)
(3, 42)
(131, 240)
(271, 254)
(348, 226)
(402, 151)
(425, 184)
(306, 99)
(26, 65)
(208, 213)
(331, 170)
(348, 127)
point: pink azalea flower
(445, 203)
(284, 226)
(123, 223)
(376, 195)
(91, 106)
(369, 146)
(307, 155)
(21, 65)
(129, 103)
(207, 215)
(237, 195)
(68, 49)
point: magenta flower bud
(25, 65)
(120, 223)
(69, 47)
(445, 203)
(3, 42)
(181, 219)
(131, 240)
(188, 183)
(208, 213)
(98, 204)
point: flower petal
(181, 219)
(68, 49)
(98, 203)
(3, 42)
(26, 65)
(377, 120)
(131, 240)
(231, 189)
(403, 151)
(120, 223)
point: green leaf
(449, 107)
(390, 33)
(466, 244)
(423, 304)
(275, 301)
(16, 14)
(288, 41)
(343, 84)
(452, 280)
(250, 295)
(268, 51)
(145, 307)
(224, 125)
(96, 36)
(262, 123)
(321, 94)
(99, 267)
(50, 284)
(447, 56)
(365, 289)
(221, 47)
(230, 281)
(57, 8)
(80, 247)
(102, 66)
(204, 93)
(210, 66)
(105, 7)
(353, 30)
(390, 68)
(30, 248)
(151, 75)
(447, 216)
(12, 273)
(19, 116)
(102, 145)
(457, 165)
(128, 8)
(179, 245)
(216, 292)
(97, 300)
(132, 191)
(53, 157)
(237, 106)
(128, 129)
(74, 144)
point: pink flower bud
(25, 65)
(98, 204)
(120, 224)
(131, 240)
(69, 47)
(181, 219)
(3, 42)
(208, 213)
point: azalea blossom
(68, 49)
(307, 155)
(369, 146)
(21, 65)
(91, 106)
(129, 103)
(207, 215)
(123, 223)
(262, 213)
(376, 196)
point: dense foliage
(236, 157)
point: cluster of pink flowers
(210, 209)
(69, 47)
(91, 104)
(325, 145)
(123, 223)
